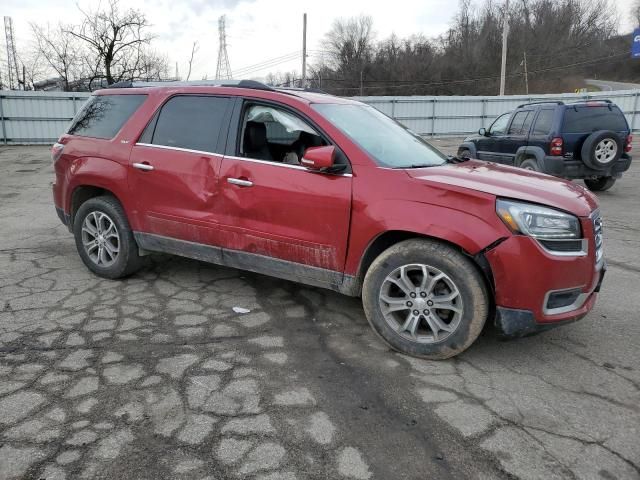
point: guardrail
(40, 117)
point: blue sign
(635, 46)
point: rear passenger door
(174, 168)
(539, 136)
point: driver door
(278, 215)
(489, 145)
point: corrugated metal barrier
(40, 117)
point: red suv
(328, 192)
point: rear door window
(589, 118)
(543, 123)
(104, 115)
(190, 121)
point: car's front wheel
(104, 239)
(599, 184)
(425, 299)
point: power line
(471, 80)
(267, 64)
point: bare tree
(60, 50)
(118, 41)
(194, 49)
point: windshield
(389, 143)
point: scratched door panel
(288, 213)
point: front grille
(597, 235)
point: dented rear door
(174, 169)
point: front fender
(469, 231)
(469, 146)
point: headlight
(537, 221)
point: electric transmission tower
(223, 70)
(12, 57)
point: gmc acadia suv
(328, 192)
(588, 140)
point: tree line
(553, 46)
(559, 42)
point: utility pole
(526, 76)
(505, 33)
(304, 50)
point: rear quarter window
(104, 115)
(588, 119)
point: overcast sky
(257, 30)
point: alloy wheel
(421, 303)
(606, 150)
(100, 239)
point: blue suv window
(590, 118)
(521, 123)
(543, 123)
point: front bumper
(569, 168)
(524, 275)
(515, 323)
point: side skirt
(253, 262)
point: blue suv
(584, 140)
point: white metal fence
(40, 117)
(462, 115)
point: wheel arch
(81, 193)
(469, 146)
(387, 239)
(529, 151)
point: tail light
(556, 146)
(627, 145)
(56, 151)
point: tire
(461, 275)
(599, 184)
(601, 149)
(530, 164)
(101, 257)
(464, 153)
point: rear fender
(102, 173)
(529, 151)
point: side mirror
(319, 158)
(483, 132)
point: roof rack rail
(590, 100)
(556, 102)
(194, 83)
(305, 89)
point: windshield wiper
(416, 165)
(457, 159)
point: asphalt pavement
(156, 376)
(609, 86)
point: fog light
(563, 298)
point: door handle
(240, 182)
(143, 166)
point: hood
(511, 182)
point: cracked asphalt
(156, 377)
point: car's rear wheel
(104, 239)
(425, 299)
(599, 184)
(530, 164)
